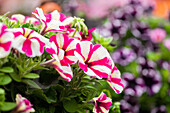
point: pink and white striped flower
(114, 80)
(23, 19)
(102, 104)
(54, 21)
(67, 45)
(93, 59)
(23, 105)
(59, 64)
(28, 41)
(6, 39)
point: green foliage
(116, 108)
(4, 79)
(105, 42)
(8, 106)
(71, 106)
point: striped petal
(94, 60)
(66, 44)
(18, 17)
(64, 70)
(23, 105)
(102, 104)
(60, 65)
(50, 22)
(114, 80)
(29, 42)
(6, 39)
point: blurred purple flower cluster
(125, 18)
(142, 56)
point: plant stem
(75, 31)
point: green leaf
(8, 106)
(31, 76)
(7, 69)
(5, 79)
(71, 106)
(15, 77)
(51, 95)
(153, 56)
(31, 83)
(2, 95)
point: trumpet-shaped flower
(102, 104)
(93, 59)
(59, 64)
(28, 41)
(24, 19)
(54, 21)
(6, 39)
(66, 45)
(114, 80)
(23, 105)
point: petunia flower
(152, 80)
(67, 45)
(114, 80)
(54, 21)
(59, 64)
(28, 41)
(129, 104)
(6, 39)
(93, 59)
(23, 105)
(157, 35)
(102, 104)
(133, 86)
(23, 19)
(123, 56)
(87, 37)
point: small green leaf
(2, 96)
(5, 79)
(7, 69)
(8, 106)
(31, 76)
(15, 77)
(31, 83)
(71, 106)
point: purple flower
(133, 86)
(129, 105)
(123, 56)
(137, 46)
(161, 109)
(145, 64)
(152, 80)
(164, 64)
(140, 29)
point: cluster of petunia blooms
(67, 46)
